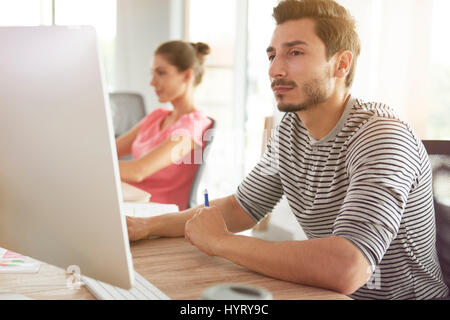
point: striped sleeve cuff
(245, 208)
(371, 239)
(361, 245)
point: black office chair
(127, 110)
(439, 153)
(208, 137)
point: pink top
(171, 184)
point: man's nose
(277, 68)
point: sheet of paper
(12, 262)
(144, 210)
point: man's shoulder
(377, 117)
(377, 125)
(372, 109)
(379, 133)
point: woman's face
(169, 83)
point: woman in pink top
(166, 144)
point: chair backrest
(127, 110)
(439, 153)
(208, 137)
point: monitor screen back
(60, 196)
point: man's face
(300, 75)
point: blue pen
(206, 198)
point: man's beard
(315, 92)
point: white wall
(141, 26)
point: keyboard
(142, 290)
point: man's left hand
(206, 229)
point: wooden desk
(173, 265)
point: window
(218, 94)
(404, 61)
(260, 99)
(438, 122)
(99, 13)
(13, 12)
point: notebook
(145, 210)
(12, 262)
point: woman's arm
(172, 150)
(124, 142)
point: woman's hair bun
(201, 48)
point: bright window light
(101, 14)
(20, 13)
(440, 46)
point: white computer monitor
(60, 195)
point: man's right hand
(173, 224)
(138, 228)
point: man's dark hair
(334, 26)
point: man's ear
(343, 64)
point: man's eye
(271, 57)
(296, 53)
